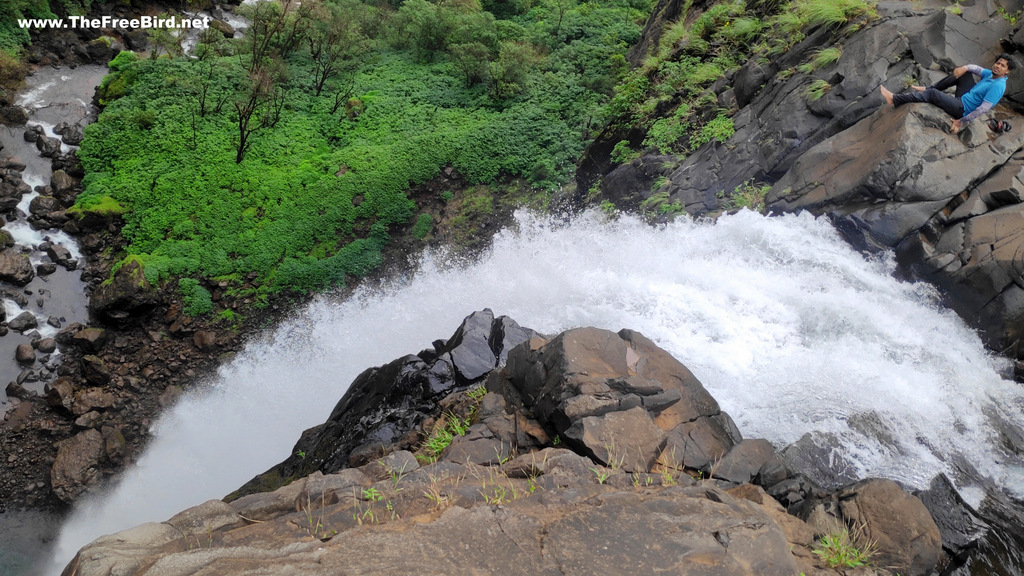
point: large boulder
(386, 403)
(618, 396)
(15, 267)
(906, 537)
(126, 293)
(76, 467)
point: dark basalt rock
(959, 524)
(127, 293)
(386, 403)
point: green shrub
(196, 299)
(720, 128)
(622, 152)
(424, 223)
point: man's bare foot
(918, 88)
(886, 94)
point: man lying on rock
(972, 99)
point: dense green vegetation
(13, 37)
(285, 158)
(669, 94)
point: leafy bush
(623, 152)
(12, 36)
(720, 128)
(424, 223)
(196, 299)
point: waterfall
(790, 329)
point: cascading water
(790, 329)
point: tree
(258, 108)
(275, 29)
(509, 72)
(473, 59)
(165, 39)
(336, 41)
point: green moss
(101, 206)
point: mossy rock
(96, 213)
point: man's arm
(972, 68)
(985, 107)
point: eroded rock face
(949, 205)
(619, 396)
(323, 525)
(890, 179)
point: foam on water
(790, 329)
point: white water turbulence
(790, 329)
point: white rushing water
(790, 329)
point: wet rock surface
(396, 506)
(889, 179)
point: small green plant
(838, 549)
(367, 516)
(391, 511)
(442, 438)
(659, 182)
(955, 8)
(476, 393)
(747, 195)
(372, 494)
(301, 454)
(447, 196)
(496, 496)
(556, 441)
(622, 152)
(720, 128)
(396, 478)
(422, 227)
(1010, 17)
(817, 89)
(602, 475)
(658, 204)
(826, 56)
(608, 207)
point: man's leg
(950, 104)
(963, 84)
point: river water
(790, 329)
(51, 96)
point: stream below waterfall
(55, 299)
(788, 327)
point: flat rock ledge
(591, 452)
